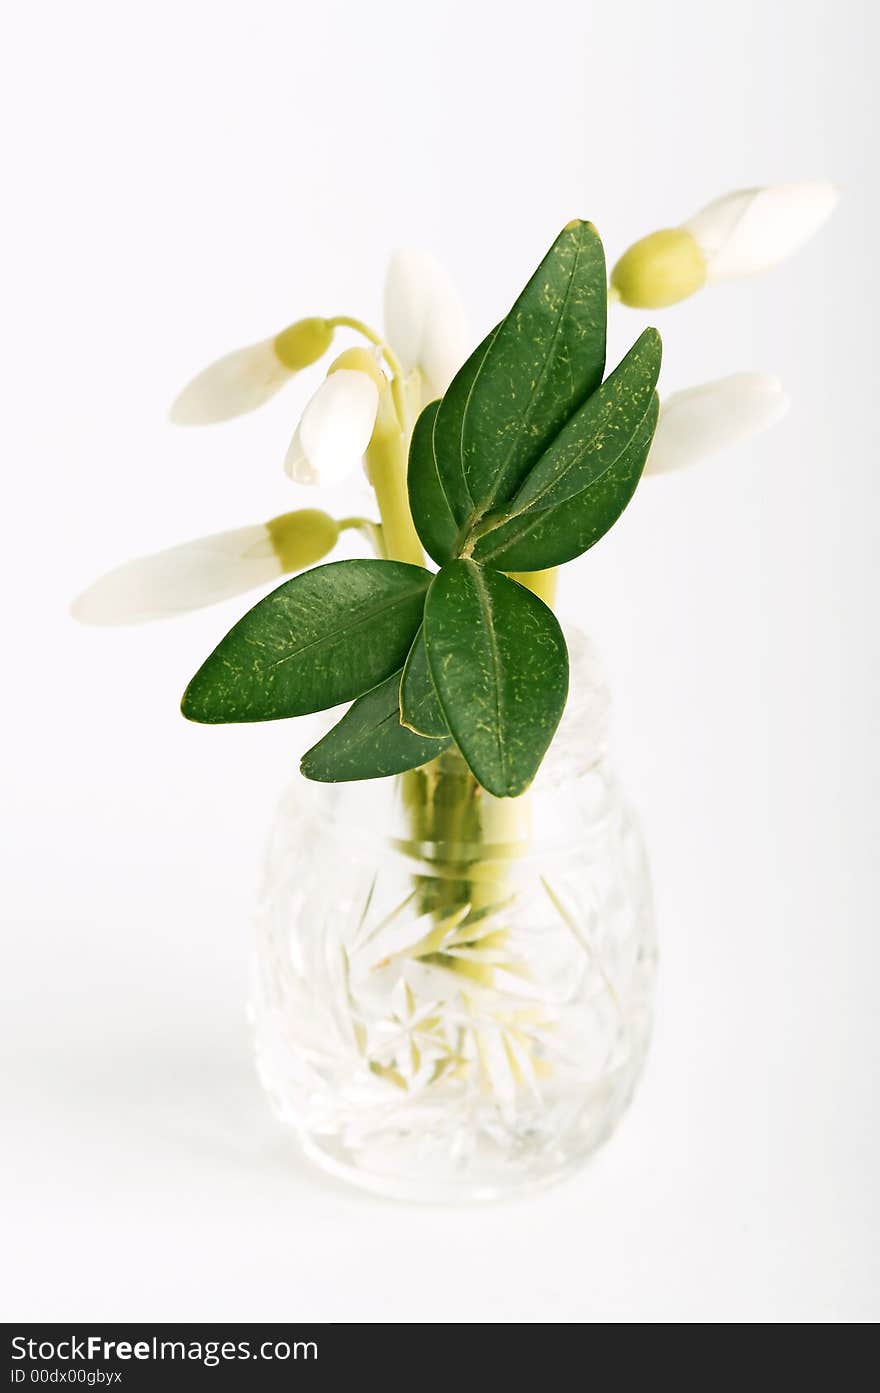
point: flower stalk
(386, 461)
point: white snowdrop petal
(446, 343)
(407, 296)
(754, 229)
(705, 419)
(297, 465)
(425, 320)
(335, 429)
(185, 577)
(232, 386)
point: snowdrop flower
(208, 570)
(335, 428)
(737, 235)
(425, 321)
(426, 342)
(703, 420)
(247, 378)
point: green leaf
(598, 432)
(546, 357)
(420, 707)
(500, 667)
(370, 742)
(580, 464)
(448, 448)
(434, 522)
(551, 536)
(322, 638)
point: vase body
(452, 993)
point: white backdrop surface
(184, 178)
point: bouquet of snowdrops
(498, 465)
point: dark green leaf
(370, 742)
(448, 454)
(553, 535)
(581, 461)
(434, 522)
(322, 638)
(500, 667)
(420, 707)
(597, 433)
(546, 357)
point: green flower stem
(345, 321)
(470, 837)
(371, 530)
(541, 583)
(470, 840)
(386, 465)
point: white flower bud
(203, 572)
(335, 429)
(247, 378)
(425, 322)
(754, 229)
(736, 235)
(702, 420)
(232, 386)
(185, 577)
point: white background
(184, 178)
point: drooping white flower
(754, 229)
(737, 235)
(703, 420)
(425, 329)
(335, 428)
(425, 321)
(243, 380)
(203, 572)
(230, 387)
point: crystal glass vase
(452, 992)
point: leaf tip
(196, 704)
(189, 705)
(310, 768)
(586, 229)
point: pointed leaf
(590, 466)
(546, 358)
(500, 667)
(550, 536)
(448, 446)
(431, 513)
(322, 638)
(370, 742)
(597, 433)
(420, 707)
